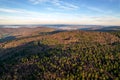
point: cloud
(107, 19)
(95, 9)
(60, 20)
(26, 16)
(22, 16)
(20, 12)
(58, 3)
(98, 10)
(10, 10)
(65, 5)
(38, 1)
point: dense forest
(67, 55)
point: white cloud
(107, 19)
(10, 10)
(95, 9)
(22, 16)
(38, 1)
(65, 5)
(99, 10)
(58, 3)
(20, 12)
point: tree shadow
(10, 59)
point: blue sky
(96, 12)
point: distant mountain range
(25, 30)
(102, 28)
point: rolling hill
(7, 34)
(24, 31)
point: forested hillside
(68, 55)
(23, 31)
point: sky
(84, 12)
